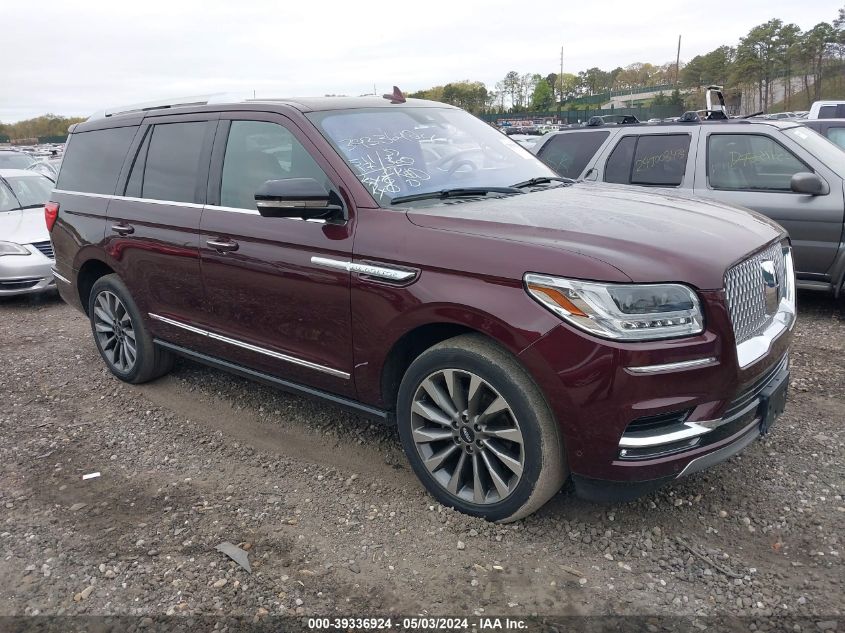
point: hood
(650, 235)
(23, 226)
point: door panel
(282, 314)
(733, 170)
(153, 229)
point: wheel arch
(89, 272)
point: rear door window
(656, 160)
(660, 160)
(92, 160)
(569, 153)
(170, 159)
(750, 162)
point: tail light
(51, 214)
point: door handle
(222, 246)
(122, 229)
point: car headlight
(10, 248)
(632, 312)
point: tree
(543, 98)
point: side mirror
(297, 198)
(812, 184)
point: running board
(354, 406)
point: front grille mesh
(746, 293)
(45, 247)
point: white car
(827, 110)
(26, 254)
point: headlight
(633, 312)
(10, 248)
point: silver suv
(783, 170)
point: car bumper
(627, 431)
(26, 274)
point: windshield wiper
(453, 193)
(32, 206)
(541, 180)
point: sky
(76, 57)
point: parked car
(518, 328)
(827, 110)
(831, 129)
(26, 256)
(13, 159)
(781, 169)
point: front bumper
(26, 274)
(628, 431)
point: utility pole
(560, 85)
(678, 64)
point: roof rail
(161, 104)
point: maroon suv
(411, 263)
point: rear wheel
(120, 335)
(478, 432)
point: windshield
(820, 147)
(30, 191)
(407, 150)
(15, 160)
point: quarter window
(93, 160)
(657, 160)
(569, 153)
(258, 151)
(750, 162)
(172, 166)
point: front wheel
(121, 337)
(478, 432)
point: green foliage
(543, 97)
(39, 127)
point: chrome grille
(746, 295)
(45, 247)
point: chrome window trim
(59, 277)
(669, 367)
(249, 346)
(371, 270)
(192, 205)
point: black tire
(543, 466)
(150, 361)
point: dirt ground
(335, 522)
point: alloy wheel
(467, 436)
(115, 332)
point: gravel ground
(335, 522)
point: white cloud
(73, 58)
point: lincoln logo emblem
(770, 285)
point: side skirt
(386, 417)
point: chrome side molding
(253, 348)
(371, 270)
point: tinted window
(568, 154)
(258, 151)
(136, 176)
(660, 160)
(618, 167)
(173, 162)
(827, 112)
(92, 160)
(837, 135)
(750, 161)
